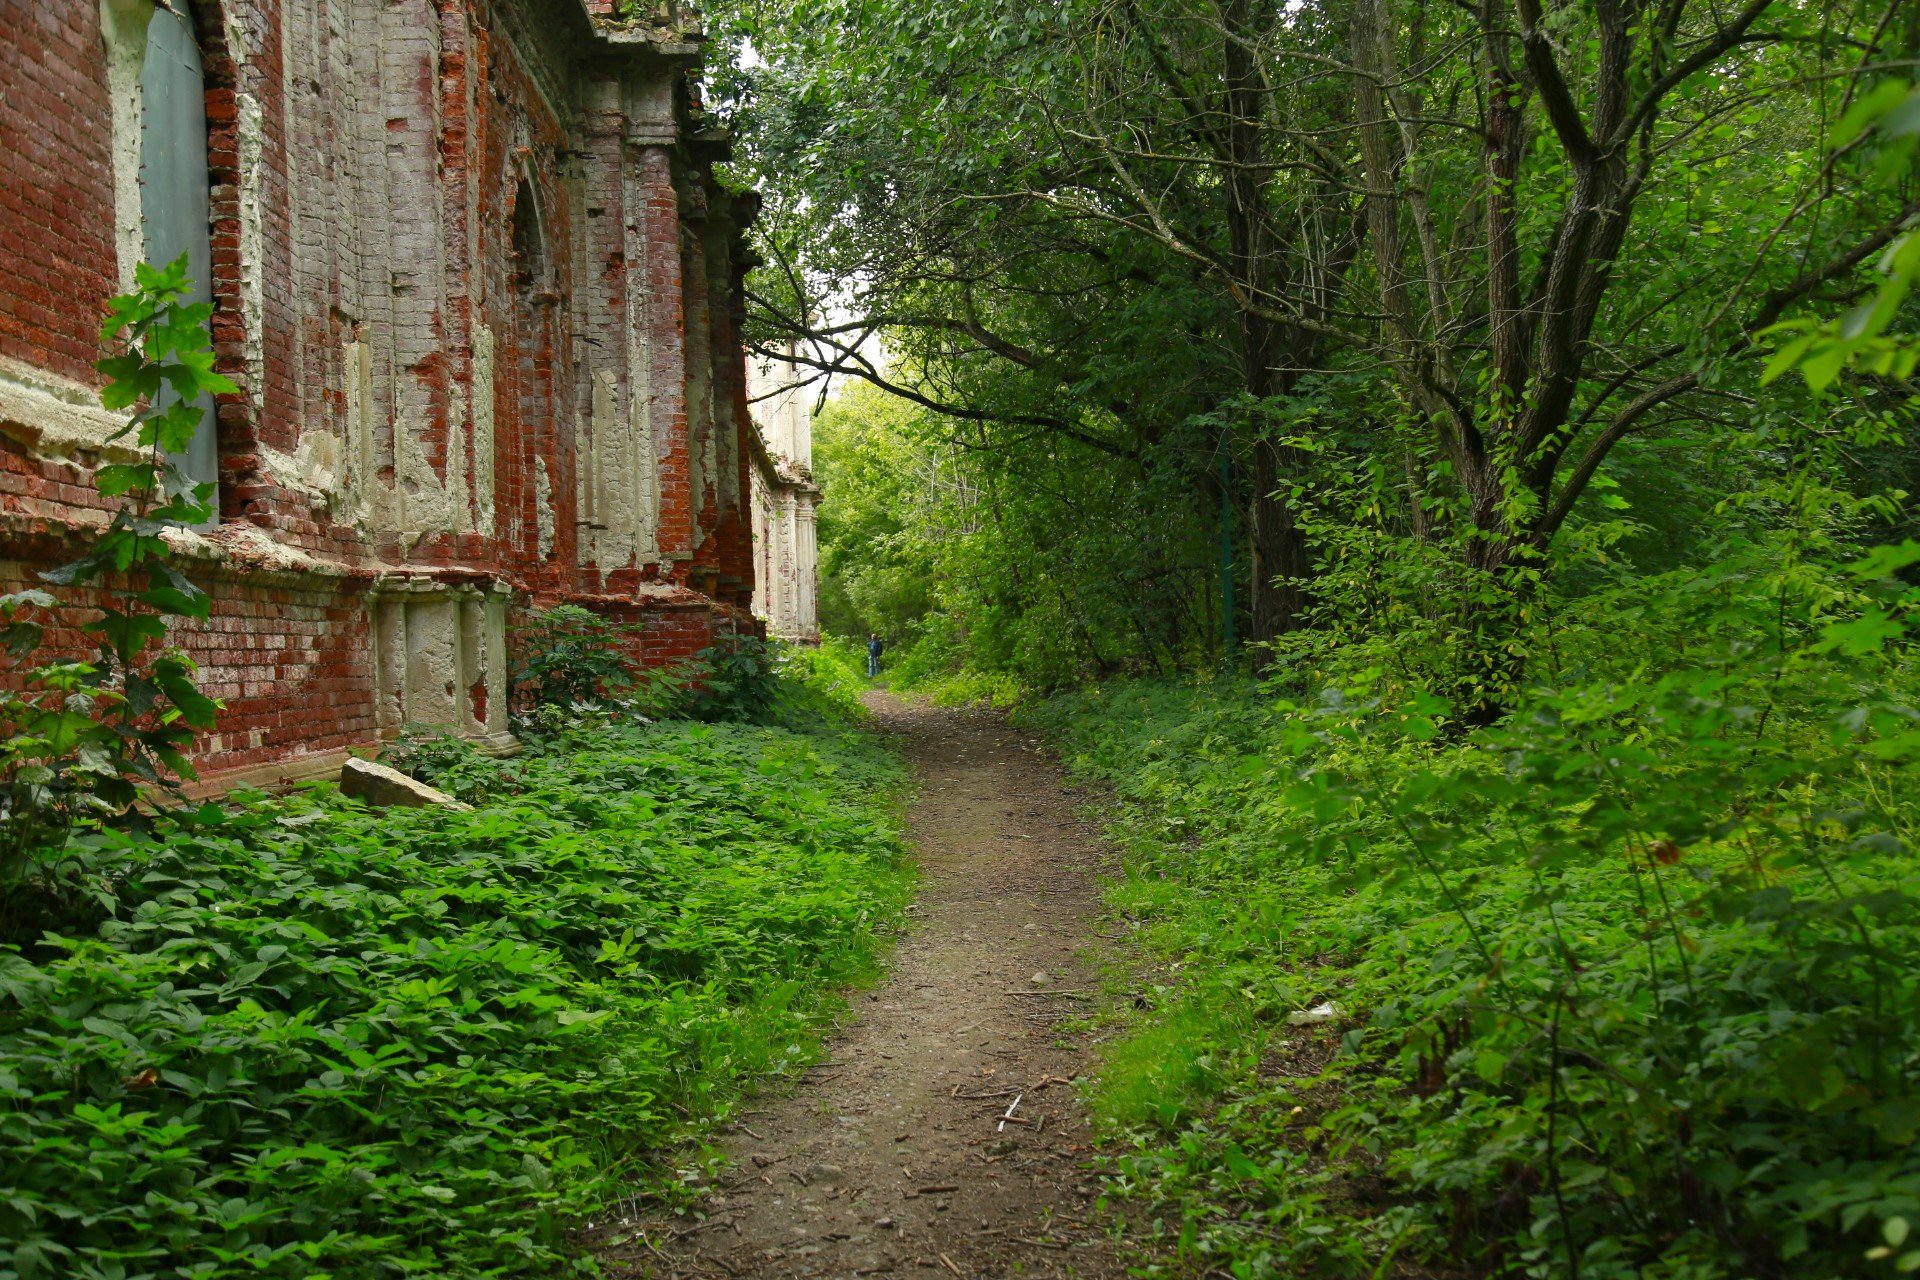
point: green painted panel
(174, 211)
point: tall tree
(1545, 269)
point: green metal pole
(1226, 548)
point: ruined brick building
(786, 569)
(479, 287)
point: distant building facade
(480, 291)
(786, 571)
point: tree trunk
(1280, 562)
(1277, 603)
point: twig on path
(975, 1097)
(1071, 993)
(949, 1261)
(1039, 1244)
(1010, 1111)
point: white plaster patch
(619, 535)
(317, 469)
(361, 467)
(246, 546)
(435, 647)
(252, 130)
(646, 460)
(459, 501)
(123, 27)
(238, 45)
(543, 506)
(432, 661)
(483, 483)
(422, 502)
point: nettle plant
(572, 657)
(86, 738)
(737, 677)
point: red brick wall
(56, 185)
(292, 658)
(382, 177)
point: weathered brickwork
(480, 293)
(56, 164)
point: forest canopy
(1484, 289)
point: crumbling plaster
(123, 28)
(408, 454)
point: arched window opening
(529, 253)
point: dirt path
(892, 1158)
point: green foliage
(459, 768)
(311, 1039)
(1023, 561)
(737, 677)
(1622, 986)
(876, 533)
(1439, 324)
(823, 683)
(570, 657)
(1888, 117)
(1510, 260)
(84, 739)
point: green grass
(306, 1039)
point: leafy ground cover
(309, 1039)
(1621, 986)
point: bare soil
(942, 1134)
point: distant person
(875, 647)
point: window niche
(162, 185)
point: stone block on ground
(379, 784)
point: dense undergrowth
(305, 1038)
(1621, 986)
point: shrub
(84, 739)
(737, 677)
(822, 684)
(1622, 987)
(570, 656)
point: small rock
(885, 1224)
(1040, 979)
(377, 784)
(827, 1173)
(760, 1161)
(1004, 1147)
(1319, 1013)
